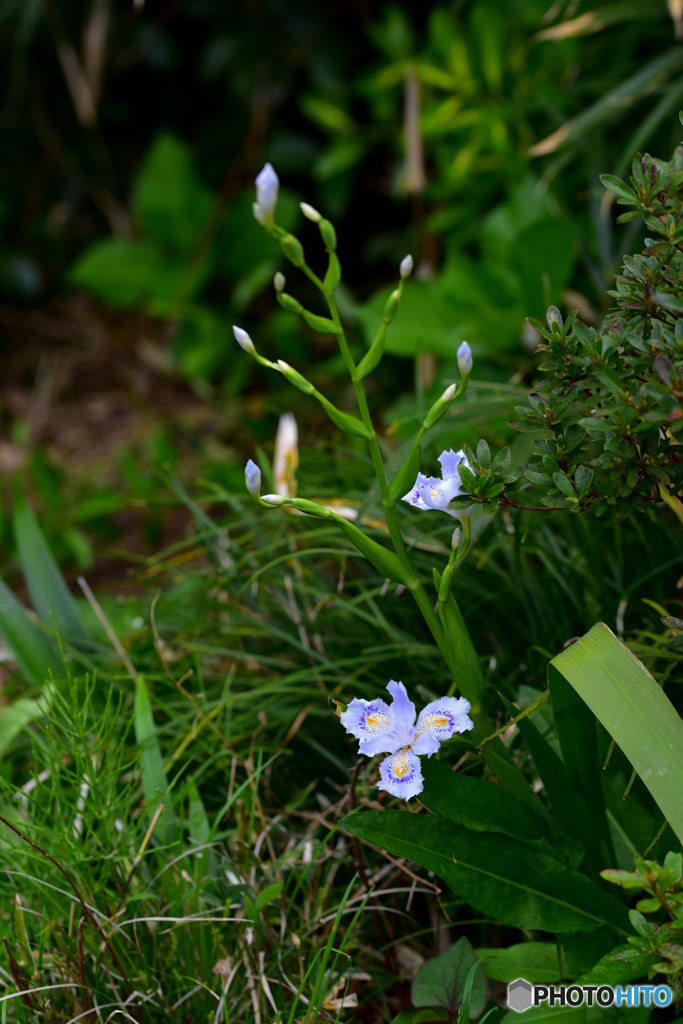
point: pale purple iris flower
(384, 729)
(429, 492)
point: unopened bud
(439, 408)
(279, 281)
(290, 303)
(293, 250)
(329, 235)
(465, 359)
(456, 538)
(252, 479)
(273, 499)
(267, 187)
(294, 377)
(391, 306)
(406, 267)
(310, 213)
(244, 341)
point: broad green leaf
(622, 695)
(569, 808)
(441, 980)
(536, 962)
(495, 874)
(464, 664)
(619, 967)
(576, 731)
(46, 585)
(125, 271)
(154, 781)
(36, 654)
(479, 805)
(580, 953)
(170, 200)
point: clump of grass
(195, 806)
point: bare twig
(107, 627)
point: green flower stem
(376, 455)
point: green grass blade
(33, 650)
(46, 585)
(623, 695)
(154, 781)
(613, 104)
(496, 875)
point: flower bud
(293, 250)
(329, 235)
(294, 377)
(310, 213)
(456, 538)
(267, 187)
(274, 499)
(391, 306)
(406, 267)
(279, 281)
(252, 479)
(244, 341)
(439, 408)
(465, 359)
(290, 303)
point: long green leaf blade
(575, 724)
(154, 781)
(46, 585)
(497, 875)
(37, 657)
(613, 104)
(623, 695)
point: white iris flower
(393, 730)
(430, 492)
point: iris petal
(438, 721)
(401, 774)
(402, 710)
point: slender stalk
(376, 455)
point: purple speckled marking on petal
(372, 722)
(401, 774)
(438, 721)
(366, 717)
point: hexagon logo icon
(519, 995)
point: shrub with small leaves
(612, 400)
